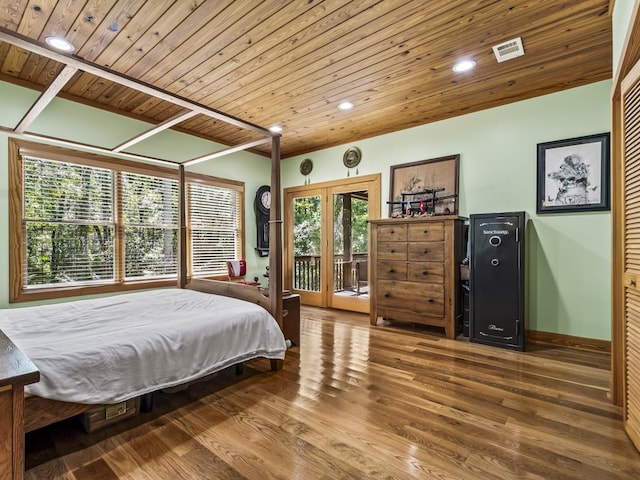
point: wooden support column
(16, 371)
(182, 228)
(275, 234)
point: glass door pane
(349, 273)
(307, 248)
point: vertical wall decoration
(351, 159)
(306, 166)
(573, 175)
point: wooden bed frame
(40, 412)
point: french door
(327, 241)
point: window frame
(20, 148)
(210, 181)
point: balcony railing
(348, 274)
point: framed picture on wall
(416, 185)
(573, 175)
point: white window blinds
(215, 228)
(68, 219)
(94, 222)
(150, 218)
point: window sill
(32, 295)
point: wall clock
(263, 212)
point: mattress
(110, 349)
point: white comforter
(110, 349)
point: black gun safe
(497, 279)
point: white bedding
(110, 349)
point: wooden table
(16, 371)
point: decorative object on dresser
(415, 270)
(427, 187)
(497, 279)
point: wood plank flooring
(361, 402)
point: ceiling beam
(86, 147)
(180, 117)
(227, 151)
(32, 46)
(45, 98)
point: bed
(111, 349)
(40, 410)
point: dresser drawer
(426, 251)
(392, 233)
(392, 270)
(427, 272)
(427, 232)
(392, 250)
(427, 299)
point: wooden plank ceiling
(291, 62)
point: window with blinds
(216, 234)
(86, 222)
(150, 219)
(69, 225)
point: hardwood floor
(361, 402)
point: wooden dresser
(415, 270)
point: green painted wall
(80, 123)
(569, 254)
(622, 11)
(569, 264)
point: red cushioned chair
(237, 270)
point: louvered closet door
(631, 125)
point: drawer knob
(392, 251)
(425, 273)
(392, 231)
(387, 295)
(431, 300)
(425, 231)
(425, 251)
(391, 270)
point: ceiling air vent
(508, 50)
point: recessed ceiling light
(275, 129)
(464, 65)
(345, 105)
(60, 43)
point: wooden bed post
(275, 234)
(182, 228)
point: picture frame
(408, 181)
(573, 175)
